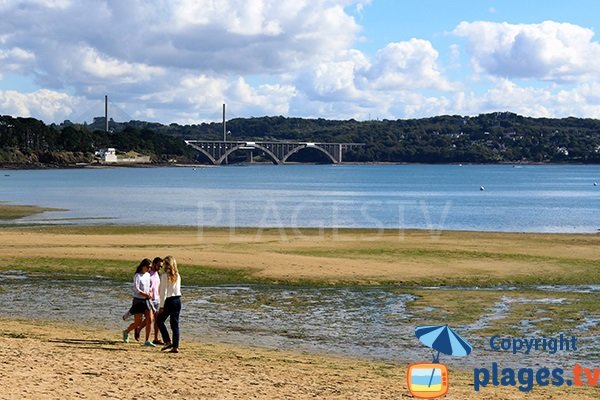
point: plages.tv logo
(429, 380)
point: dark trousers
(172, 308)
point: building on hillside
(106, 155)
(109, 156)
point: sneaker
(136, 334)
(125, 336)
(166, 347)
(174, 350)
(157, 342)
(148, 343)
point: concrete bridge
(217, 151)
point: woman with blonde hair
(170, 304)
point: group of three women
(156, 297)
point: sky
(180, 60)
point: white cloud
(505, 95)
(197, 98)
(45, 104)
(407, 65)
(96, 65)
(335, 79)
(234, 37)
(143, 50)
(15, 60)
(361, 4)
(179, 60)
(386, 86)
(8, 4)
(550, 50)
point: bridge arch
(256, 146)
(207, 154)
(302, 147)
(201, 150)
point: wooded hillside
(487, 138)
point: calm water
(522, 198)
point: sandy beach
(41, 360)
(47, 360)
(52, 361)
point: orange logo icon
(427, 380)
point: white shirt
(169, 289)
(141, 284)
(154, 285)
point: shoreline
(25, 167)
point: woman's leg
(160, 321)
(175, 311)
(133, 325)
(156, 326)
(148, 314)
(137, 320)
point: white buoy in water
(595, 183)
(481, 188)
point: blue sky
(385, 21)
(179, 60)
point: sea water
(513, 198)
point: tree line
(486, 138)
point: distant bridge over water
(217, 151)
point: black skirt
(138, 306)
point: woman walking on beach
(170, 304)
(157, 264)
(140, 306)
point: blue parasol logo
(430, 380)
(443, 339)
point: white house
(107, 155)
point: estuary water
(510, 198)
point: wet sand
(52, 361)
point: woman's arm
(163, 289)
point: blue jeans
(172, 308)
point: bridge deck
(218, 150)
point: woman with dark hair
(170, 304)
(140, 305)
(157, 264)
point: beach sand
(41, 360)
